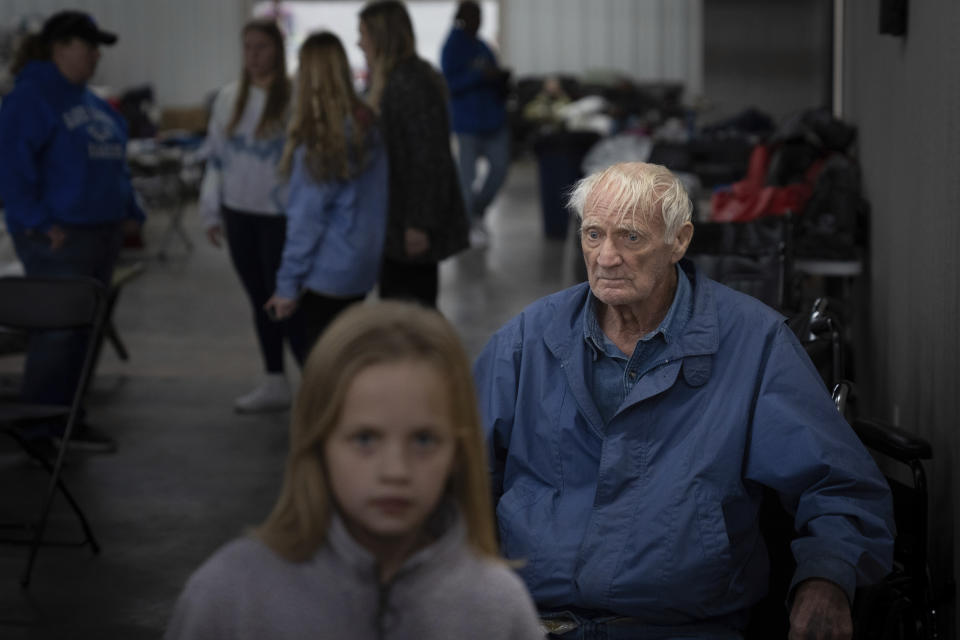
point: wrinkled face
(77, 59)
(628, 262)
(391, 453)
(259, 55)
(366, 44)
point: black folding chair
(45, 304)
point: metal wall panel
(774, 56)
(183, 48)
(904, 95)
(648, 40)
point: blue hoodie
(476, 104)
(63, 151)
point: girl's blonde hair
(329, 119)
(390, 30)
(362, 336)
(278, 94)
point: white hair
(632, 187)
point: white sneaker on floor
(479, 238)
(273, 394)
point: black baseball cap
(75, 24)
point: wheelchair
(902, 606)
(756, 258)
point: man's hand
(214, 234)
(416, 242)
(131, 227)
(57, 236)
(820, 612)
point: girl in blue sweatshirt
(337, 207)
(65, 188)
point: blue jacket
(654, 515)
(335, 230)
(63, 154)
(476, 101)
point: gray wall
(649, 40)
(904, 95)
(774, 56)
(184, 48)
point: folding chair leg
(55, 483)
(175, 228)
(84, 523)
(188, 243)
(111, 332)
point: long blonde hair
(361, 336)
(278, 94)
(326, 109)
(390, 30)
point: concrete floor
(190, 474)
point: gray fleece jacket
(444, 591)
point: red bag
(750, 199)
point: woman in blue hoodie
(337, 204)
(65, 187)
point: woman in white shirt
(242, 198)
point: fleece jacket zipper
(383, 599)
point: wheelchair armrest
(892, 441)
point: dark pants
(609, 627)
(55, 358)
(410, 281)
(256, 249)
(318, 311)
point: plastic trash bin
(559, 156)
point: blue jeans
(55, 358)
(495, 147)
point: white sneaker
(273, 394)
(479, 238)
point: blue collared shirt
(612, 375)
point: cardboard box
(190, 119)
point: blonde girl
(383, 528)
(337, 207)
(242, 198)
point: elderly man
(633, 422)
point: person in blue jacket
(337, 205)
(66, 190)
(478, 113)
(633, 421)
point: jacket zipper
(382, 600)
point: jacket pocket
(716, 556)
(521, 514)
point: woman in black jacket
(427, 219)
